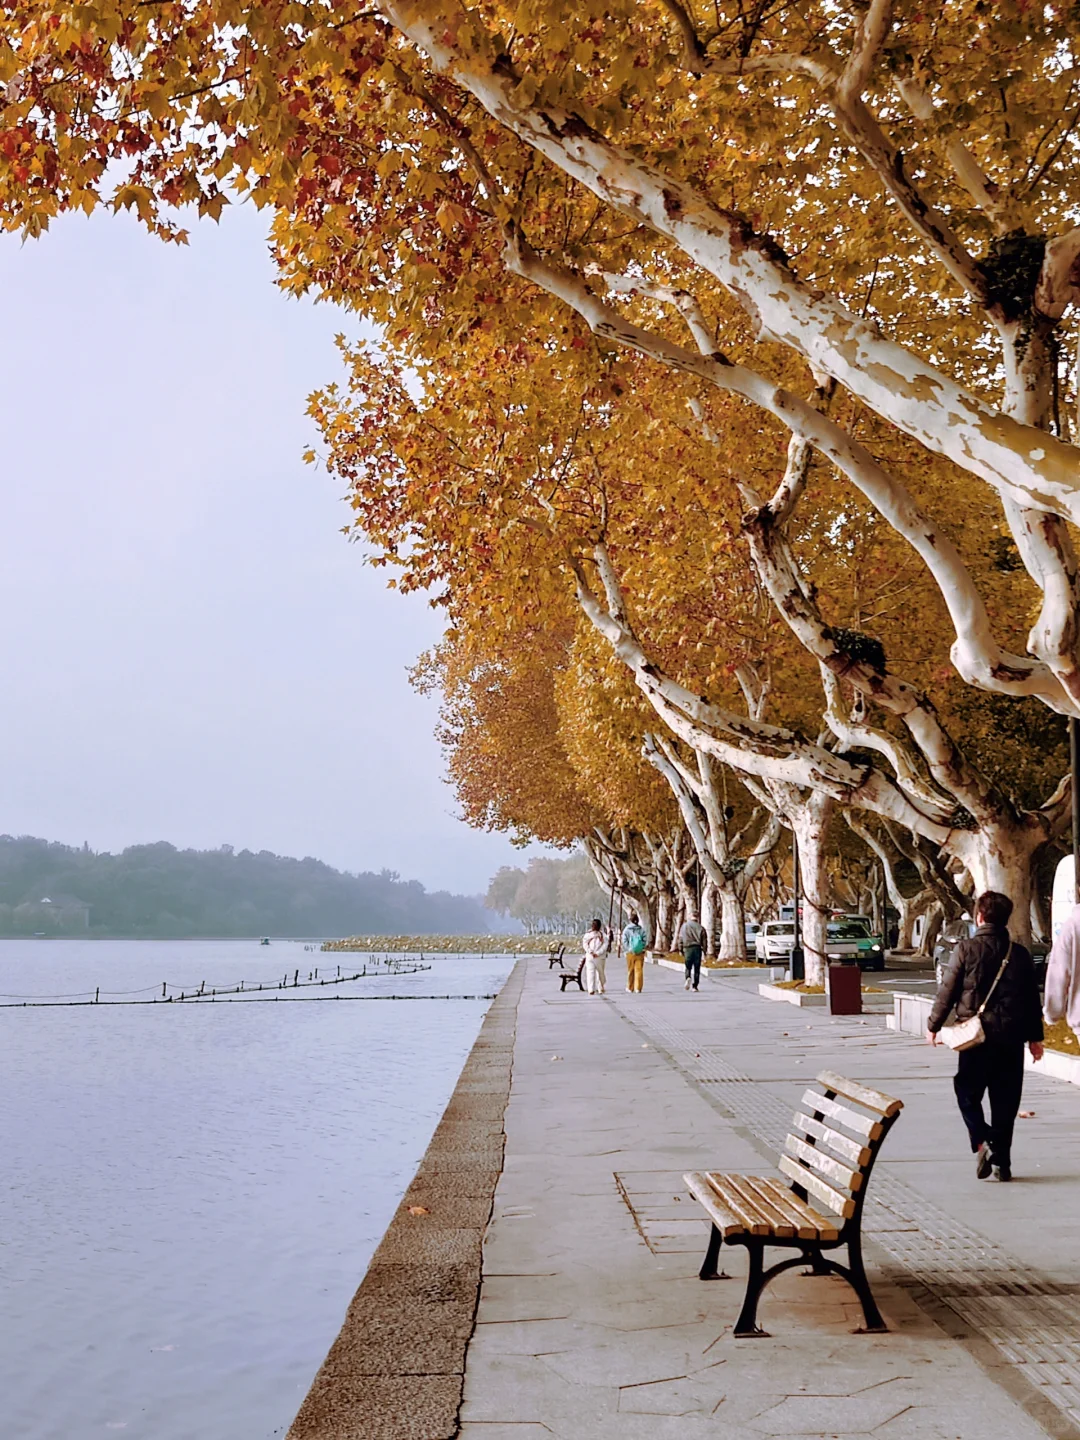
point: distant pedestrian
(692, 942)
(594, 942)
(1062, 999)
(994, 972)
(634, 941)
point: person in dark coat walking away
(692, 941)
(1011, 1020)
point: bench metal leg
(817, 1263)
(709, 1269)
(856, 1277)
(747, 1325)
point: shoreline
(396, 1370)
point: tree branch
(751, 747)
(893, 381)
(976, 655)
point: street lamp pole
(1074, 761)
(798, 960)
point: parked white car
(774, 940)
(846, 938)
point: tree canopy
(729, 347)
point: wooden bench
(836, 1138)
(569, 976)
(555, 956)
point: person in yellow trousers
(634, 941)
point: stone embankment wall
(396, 1370)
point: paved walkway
(592, 1322)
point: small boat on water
(265, 940)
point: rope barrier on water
(188, 994)
(251, 997)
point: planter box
(878, 1003)
(793, 997)
(774, 972)
(909, 1013)
(1055, 1063)
(872, 1004)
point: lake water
(190, 1194)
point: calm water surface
(189, 1195)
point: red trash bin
(843, 986)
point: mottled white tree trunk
(709, 905)
(733, 923)
(1000, 859)
(810, 822)
(935, 919)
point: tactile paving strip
(1031, 1321)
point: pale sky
(190, 649)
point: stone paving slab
(592, 1322)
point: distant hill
(157, 890)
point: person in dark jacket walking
(692, 942)
(1011, 1020)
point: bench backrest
(837, 1134)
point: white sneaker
(687, 985)
(628, 990)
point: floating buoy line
(251, 991)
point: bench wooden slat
(811, 1223)
(850, 1119)
(725, 1220)
(842, 1205)
(834, 1170)
(777, 1222)
(730, 1196)
(861, 1094)
(787, 1221)
(858, 1155)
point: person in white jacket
(1061, 1000)
(595, 944)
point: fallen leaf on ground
(419, 1210)
(1027, 1114)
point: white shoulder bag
(966, 1034)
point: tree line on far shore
(159, 891)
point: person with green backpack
(634, 941)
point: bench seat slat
(777, 1222)
(842, 1205)
(725, 1220)
(775, 1201)
(754, 1222)
(812, 1225)
(856, 1154)
(850, 1119)
(837, 1173)
(861, 1094)
(768, 1196)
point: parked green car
(852, 936)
